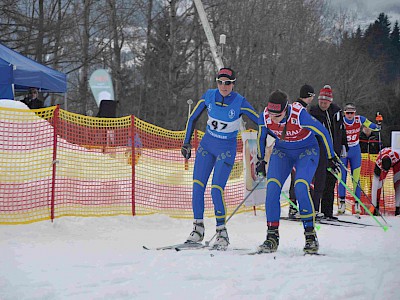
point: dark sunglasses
(275, 115)
(225, 82)
(349, 112)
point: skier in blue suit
(294, 130)
(217, 150)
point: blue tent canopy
(26, 73)
(6, 80)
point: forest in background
(158, 56)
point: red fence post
(133, 137)
(54, 163)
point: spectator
(330, 115)
(32, 100)
(306, 97)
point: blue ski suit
(297, 148)
(217, 149)
(353, 128)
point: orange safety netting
(55, 163)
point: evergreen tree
(395, 51)
(378, 42)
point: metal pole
(189, 102)
(209, 34)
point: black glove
(186, 150)
(260, 168)
(334, 164)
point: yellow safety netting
(55, 163)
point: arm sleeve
(377, 171)
(310, 123)
(198, 109)
(262, 134)
(249, 111)
(368, 123)
(341, 130)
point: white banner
(249, 165)
(396, 141)
(257, 197)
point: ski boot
(374, 210)
(272, 242)
(312, 245)
(222, 240)
(293, 213)
(397, 212)
(318, 216)
(357, 210)
(342, 207)
(197, 235)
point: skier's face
(276, 118)
(350, 114)
(225, 86)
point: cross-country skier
(353, 124)
(295, 146)
(387, 158)
(217, 150)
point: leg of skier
(396, 180)
(306, 164)
(222, 170)
(355, 166)
(341, 188)
(203, 166)
(293, 213)
(279, 168)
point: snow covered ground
(103, 258)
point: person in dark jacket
(331, 116)
(306, 97)
(32, 100)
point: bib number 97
(219, 125)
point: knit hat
(306, 91)
(350, 107)
(226, 72)
(277, 102)
(326, 93)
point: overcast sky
(369, 10)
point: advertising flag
(101, 86)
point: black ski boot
(376, 211)
(293, 213)
(312, 244)
(397, 212)
(272, 242)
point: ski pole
(384, 227)
(294, 205)
(366, 196)
(207, 243)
